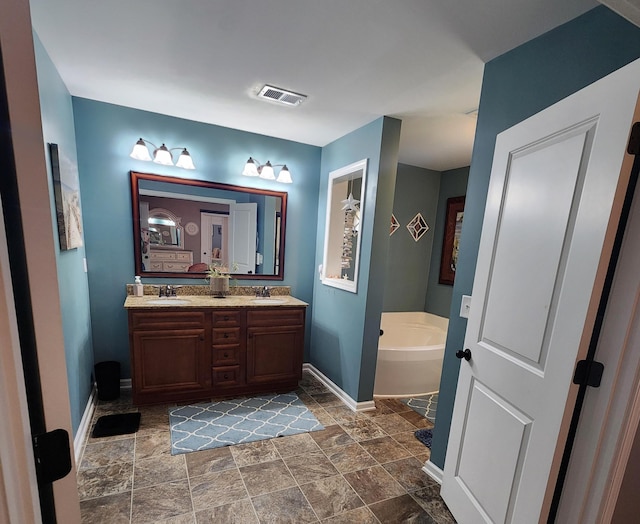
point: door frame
(610, 415)
(579, 499)
(29, 157)
(17, 468)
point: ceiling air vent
(275, 94)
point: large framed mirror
(345, 207)
(181, 226)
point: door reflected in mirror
(345, 205)
(182, 226)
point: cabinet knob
(226, 375)
(226, 355)
(226, 317)
(226, 335)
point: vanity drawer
(225, 335)
(226, 355)
(226, 317)
(165, 320)
(275, 317)
(226, 376)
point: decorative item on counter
(138, 288)
(218, 277)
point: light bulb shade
(284, 176)
(140, 151)
(185, 161)
(162, 156)
(250, 168)
(267, 172)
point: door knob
(466, 354)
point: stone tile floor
(362, 468)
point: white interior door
(552, 186)
(245, 228)
(214, 239)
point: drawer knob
(226, 375)
(226, 355)
(226, 317)
(226, 335)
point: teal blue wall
(346, 325)
(406, 281)
(57, 127)
(517, 85)
(105, 135)
(453, 183)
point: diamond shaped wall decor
(417, 227)
(395, 225)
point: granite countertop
(203, 301)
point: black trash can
(108, 380)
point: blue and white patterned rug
(213, 425)
(425, 405)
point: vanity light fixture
(161, 155)
(254, 168)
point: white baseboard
(84, 426)
(433, 471)
(346, 399)
(85, 422)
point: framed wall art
(451, 239)
(66, 191)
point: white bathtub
(410, 354)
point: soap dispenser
(138, 289)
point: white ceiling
(204, 60)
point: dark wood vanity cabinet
(170, 356)
(190, 355)
(274, 341)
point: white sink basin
(167, 302)
(267, 301)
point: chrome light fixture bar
(254, 168)
(161, 155)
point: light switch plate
(465, 306)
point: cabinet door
(170, 362)
(274, 353)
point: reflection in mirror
(164, 228)
(182, 226)
(345, 201)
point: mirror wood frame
(137, 240)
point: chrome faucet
(168, 291)
(262, 291)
